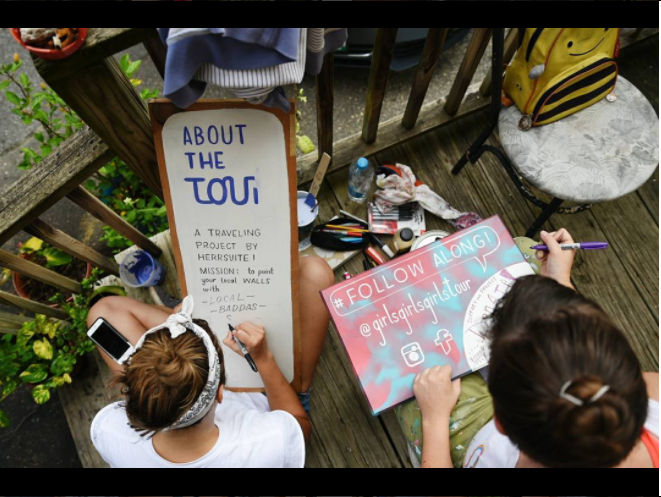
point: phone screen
(109, 339)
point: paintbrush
(316, 182)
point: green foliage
(115, 184)
(40, 251)
(123, 191)
(44, 351)
(56, 257)
(4, 419)
(37, 104)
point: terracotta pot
(50, 54)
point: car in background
(408, 47)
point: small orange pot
(52, 54)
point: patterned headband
(178, 324)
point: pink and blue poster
(430, 307)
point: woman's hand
(557, 263)
(253, 337)
(436, 393)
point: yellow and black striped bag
(558, 71)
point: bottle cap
(362, 163)
(406, 234)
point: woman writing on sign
(176, 412)
(567, 388)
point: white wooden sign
(229, 177)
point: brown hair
(543, 335)
(165, 377)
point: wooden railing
(93, 84)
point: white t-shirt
(492, 449)
(251, 436)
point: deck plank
(81, 401)
(388, 420)
(345, 432)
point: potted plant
(39, 252)
(50, 43)
(47, 353)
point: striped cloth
(255, 80)
(257, 85)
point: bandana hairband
(178, 324)
(579, 402)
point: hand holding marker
(244, 351)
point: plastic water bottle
(361, 174)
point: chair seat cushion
(597, 154)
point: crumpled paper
(398, 190)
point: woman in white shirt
(567, 388)
(176, 412)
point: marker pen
(383, 246)
(374, 255)
(244, 351)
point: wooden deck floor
(623, 280)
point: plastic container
(429, 237)
(139, 269)
(361, 174)
(306, 219)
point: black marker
(383, 246)
(243, 349)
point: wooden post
(32, 306)
(70, 245)
(472, 57)
(384, 44)
(325, 94)
(80, 156)
(11, 323)
(423, 74)
(511, 42)
(106, 215)
(105, 99)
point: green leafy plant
(37, 251)
(126, 194)
(44, 351)
(37, 104)
(5, 275)
(115, 183)
(41, 251)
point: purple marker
(570, 246)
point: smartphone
(110, 340)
